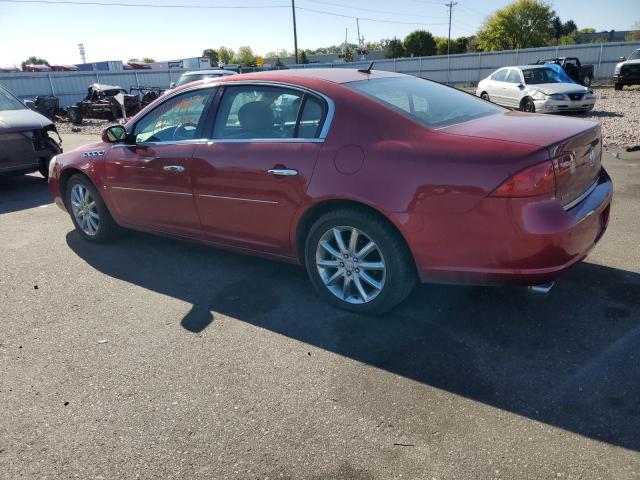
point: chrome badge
(94, 153)
(592, 156)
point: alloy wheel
(350, 264)
(85, 210)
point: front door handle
(173, 168)
(286, 172)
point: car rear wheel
(527, 105)
(485, 96)
(358, 262)
(89, 213)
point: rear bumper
(627, 78)
(513, 241)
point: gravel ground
(91, 126)
(619, 114)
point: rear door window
(500, 75)
(513, 76)
(253, 112)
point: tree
(556, 28)
(32, 60)
(225, 55)
(419, 44)
(347, 56)
(148, 60)
(441, 45)
(394, 49)
(246, 57)
(212, 55)
(569, 27)
(634, 34)
(521, 24)
(303, 57)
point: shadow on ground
(22, 192)
(570, 359)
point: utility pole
(450, 5)
(361, 50)
(295, 34)
(82, 52)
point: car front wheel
(358, 262)
(89, 213)
(527, 105)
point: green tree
(441, 45)
(303, 57)
(34, 61)
(246, 57)
(347, 56)
(569, 27)
(225, 55)
(270, 54)
(394, 49)
(212, 55)
(419, 44)
(148, 60)
(521, 24)
(635, 34)
(556, 28)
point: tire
(44, 162)
(485, 96)
(527, 105)
(104, 228)
(390, 264)
(618, 86)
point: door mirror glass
(30, 104)
(623, 58)
(113, 134)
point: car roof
(213, 70)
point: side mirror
(30, 104)
(172, 85)
(521, 85)
(114, 134)
(623, 58)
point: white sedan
(535, 88)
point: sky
(111, 32)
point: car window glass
(513, 76)
(8, 102)
(174, 120)
(499, 76)
(537, 76)
(426, 102)
(311, 118)
(634, 56)
(257, 112)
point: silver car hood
(22, 120)
(551, 88)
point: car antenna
(366, 70)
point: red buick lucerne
(370, 179)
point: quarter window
(174, 120)
(499, 76)
(265, 112)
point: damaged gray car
(26, 142)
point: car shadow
(570, 359)
(21, 192)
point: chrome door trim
(151, 191)
(240, 199)
(199, 141)
(285, 172)
(584, 195)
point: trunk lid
(576, 174)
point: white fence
(466, 68)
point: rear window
(428, 103)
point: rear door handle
(173, 168)
(286, 172)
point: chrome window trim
(198, 141)
(328, 120)
(151, 191)
(240, 199)
(586, 193)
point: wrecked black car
(26, 141)
(104, 101)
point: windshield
(199, 76)
(537, 76)
(634, 56)
(9, 102)
(426, 102)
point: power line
(364, 18)
(145, 5)
(477, 12)
(371, 10)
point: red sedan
(370, 179)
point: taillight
(530, 182)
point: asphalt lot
(153, 358)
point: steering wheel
(184, 131)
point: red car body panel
(434, 185)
